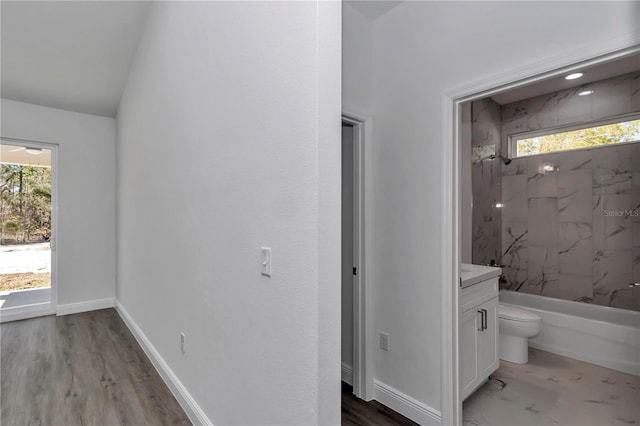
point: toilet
(515, 326)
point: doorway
(357, 347)
(357, 362)
(349, 270)
(27, 229)
(452, 194)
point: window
(608, 132)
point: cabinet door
(488, 361)
(469, 334)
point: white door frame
(35, 311)
(451, 101)
(362, 321)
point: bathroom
(552, 172)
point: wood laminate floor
(82, 369)
(358, 412)
(88, 369)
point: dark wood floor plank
(356, 412)
(82, 369)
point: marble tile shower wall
(574, 232)
(486, 181)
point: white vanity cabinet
(478, 334)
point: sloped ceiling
(72, 55)
(373, 9)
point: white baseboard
(182, 395)
(406, 405)
(347, 374)
(90, 305)
(25, 312)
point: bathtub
(601, 335)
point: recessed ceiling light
(574, 76)
(585, 93)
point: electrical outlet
(182, 339)
(384, 341)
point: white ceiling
(555, 84)
(372, 9)
(72, 55)
(76, 55)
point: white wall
(356, 60)
(86, 194)
(347, 245)
(229, 140)
(421, 49)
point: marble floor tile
(554, 390)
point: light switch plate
(266, 261)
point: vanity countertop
(474, 274)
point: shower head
(505, 160)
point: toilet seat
(514, 313)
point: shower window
(607, 132)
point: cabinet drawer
(478, 293)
